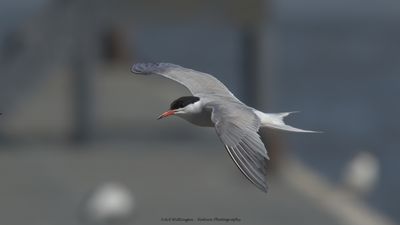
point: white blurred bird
(109, 204)
(362, 173)
(213, 105)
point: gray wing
(196, 82)
(237, 128)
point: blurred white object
(110, 203)
(362, 173)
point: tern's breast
(202, 119)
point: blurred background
(79, 143)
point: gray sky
(14, 12)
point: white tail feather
(275, 120)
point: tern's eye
(178, 104)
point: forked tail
(275, 120)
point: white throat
(196, 114)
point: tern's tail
(275, 120)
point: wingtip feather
(143, 68)
(151, 67)
(261, 184)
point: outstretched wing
(237, 127)
(196, 82)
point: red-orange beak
(166, 114)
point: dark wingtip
(144, 68)
(264, 189)
(148, 68)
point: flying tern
(213, 105)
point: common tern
(213, 105)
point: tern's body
(213, 105)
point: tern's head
(182, 105)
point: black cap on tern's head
(179, 103)
(182, 102)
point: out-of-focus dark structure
(74, 117)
